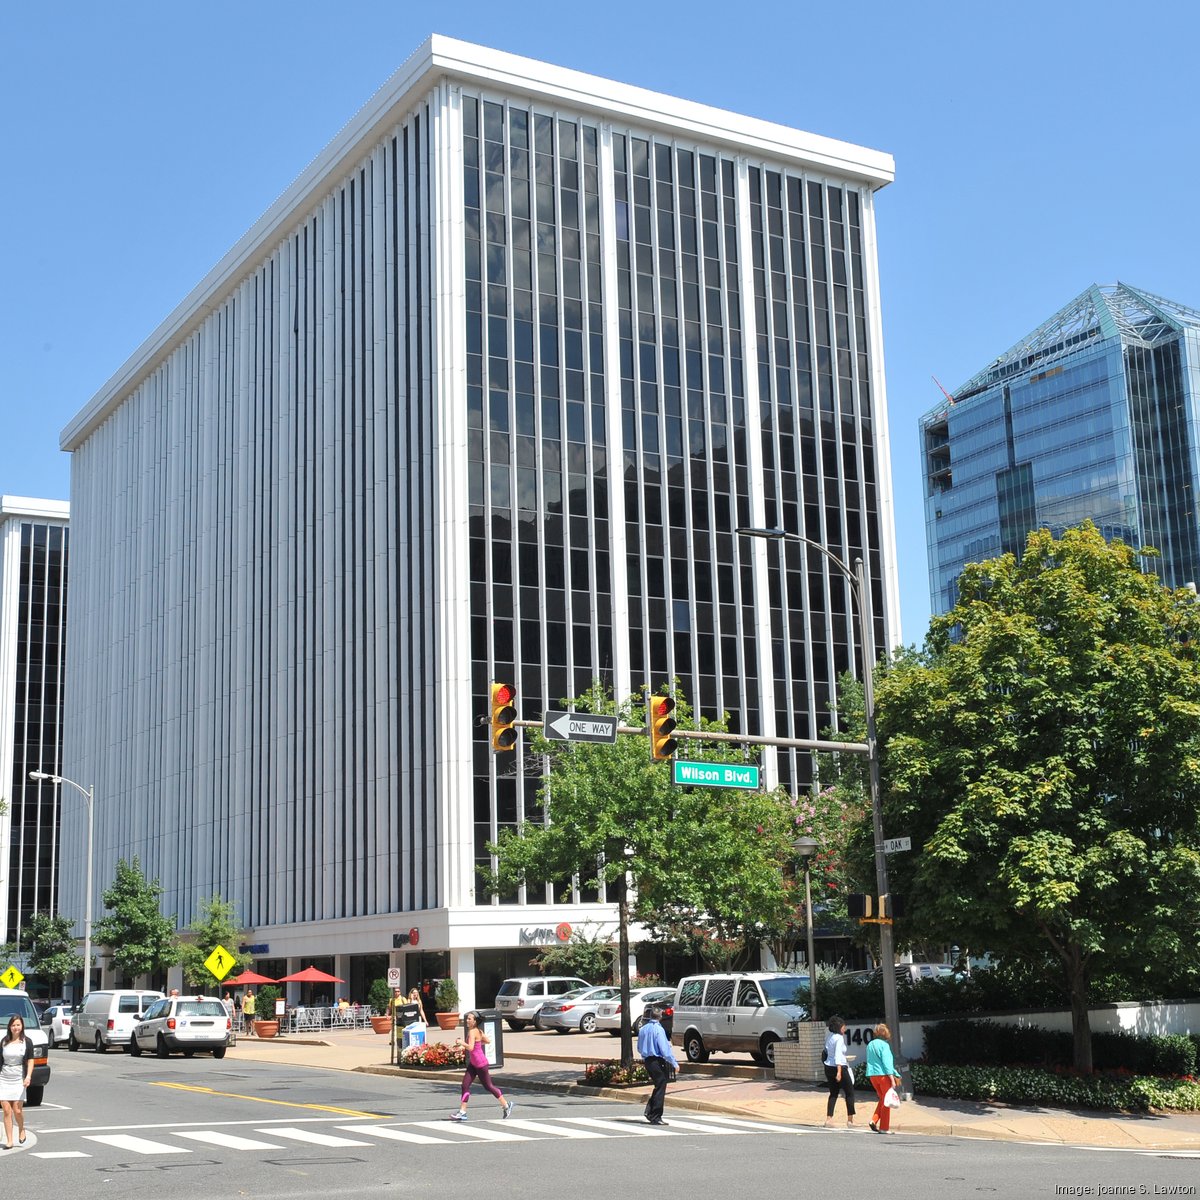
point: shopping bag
(891, 1098)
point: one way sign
(578, 727)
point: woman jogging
(477, 1068)
(16, 1053)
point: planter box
(266, 1029)
(447, 1020)
(381, 1024)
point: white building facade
(483, 396)
(33, 646)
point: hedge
(1029, 1085)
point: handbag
(891, 1098)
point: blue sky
(1039, 147)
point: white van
(107, 1018)
(738, 1011)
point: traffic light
(893, 906)
(662, 724)
(504, 714)
(860, 907)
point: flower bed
(1114, 1091)
(611, 1074)
(435, 1055)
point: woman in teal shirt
(881, 1071)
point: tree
(1043, 752)
(53, 956)
(215, 924)
(140, 939)
(587, 954)
(697, 857)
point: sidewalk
(544, 1062)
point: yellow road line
(187, 1087)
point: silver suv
(518, 1000)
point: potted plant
(380, 999)
(446, 999)
(267, 1026)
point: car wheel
(160, 1047)
(694, 1048)
(637, 1025)
(189, 1054)
(72, 1044)
(100, 1046)
(33, 1095)
(588, 1024)
(516, 1026)
(614, 1033)
(560, 1029)
(767, 1048)
(135, 1047)
(219, 1052)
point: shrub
(1029, 1085)
(379, 996)
(264, 1008)
(446, 996)
(603, 1073)
(434, 1055)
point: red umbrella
(248, 977)
(310, 975)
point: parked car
(56, 1021)
(518, 1000)
(742, 1011)
(187, 1023)
(575, 1009)
(913, 972)
(608, 1013)
(107, 1018)
(14, 1003)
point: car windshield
(787, 989)
(17, 1006)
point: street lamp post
(861, 593)
(88, 794)
(806, 848)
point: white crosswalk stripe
(426, 1133)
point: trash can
(492, 1025)
(413, 1035)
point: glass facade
(1091, 417)
(33, 567)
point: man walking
(249, 1005)
(655, 1052)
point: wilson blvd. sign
(725, 775)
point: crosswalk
(360, 1135)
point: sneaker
(508, 1109)
(458, 1116)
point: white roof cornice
(442, 57)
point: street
(184, 1128)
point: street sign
(220, 962)
(393, 977)
(891, 845)
(578, 727)
(11, 977)
(726, 775)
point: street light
(861, 594)
(806, 848)
(88, 794)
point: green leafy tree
(1043, 752)
(216, 924)
(140, 939)
(699, 858)
(53, 956)
(587, 953)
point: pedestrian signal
(893, 907)
(859, 906)
(504, 714)
(662, 725)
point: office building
(482, 397)
(1092, 416)
(33, 581)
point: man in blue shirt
(655, 1052)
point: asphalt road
(182, 1128)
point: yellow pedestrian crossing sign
(11, 977)
(220, 962)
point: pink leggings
(484, 1076)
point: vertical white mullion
(754, 466)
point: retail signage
(578, 727)
(544, 934)
(723, 775)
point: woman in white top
(838, 1074)
(16, 1073)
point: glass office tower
(33, 617)
(482, 398)
(1092, 416)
